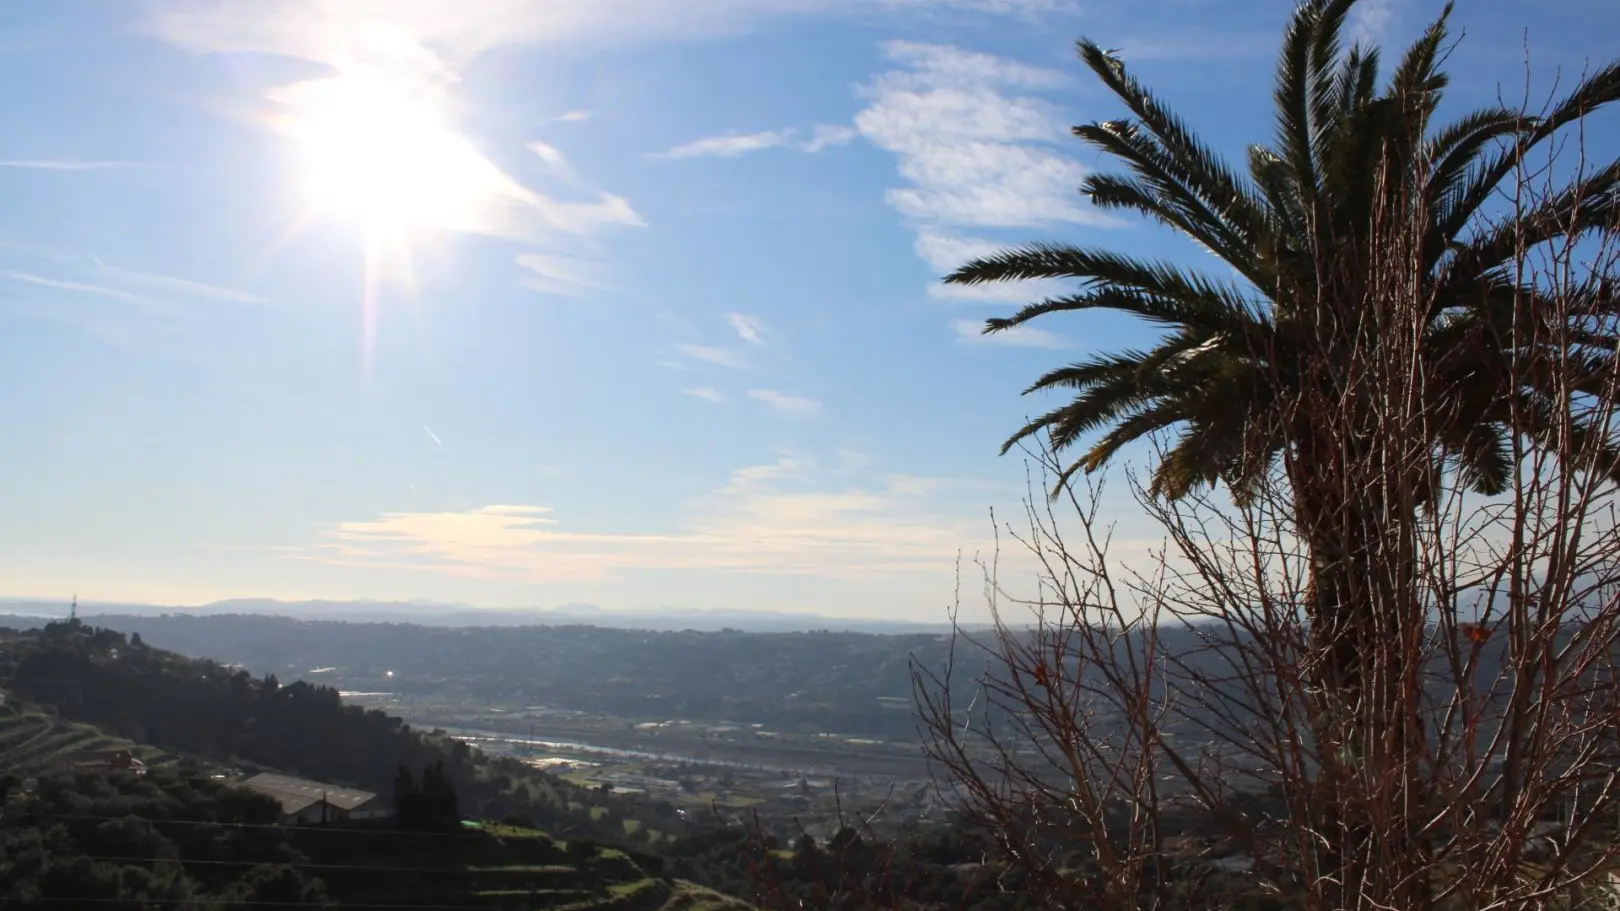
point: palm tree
(1301, 233)
(1248, 365)
(1243, 359)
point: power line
(236, 902)
(253, 825)
(536, 869)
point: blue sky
(531, 302)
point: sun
(377, 155)
(377, 152)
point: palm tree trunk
(1366, 647)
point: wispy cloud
(118, 294)
(796, 406)
(729, 145)
(732, 145)
(578, 116)
(723, 357)
(185, 286)
(62, 164)
(565, 276)
(779, 518)
(971, 332)
(749, 328)
(151, 315)
(707, 393)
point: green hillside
(186, 835)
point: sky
(633, 303)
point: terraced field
(30, 742)
(496, 866)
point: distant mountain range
(431, 613)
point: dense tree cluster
(426, 806)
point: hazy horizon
(433, 613)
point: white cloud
(931, 66)
(555, 162)
(997, 293)
(796, 406)
(749, 328)
(827, 136)
(1370, 21)
(58, 164)
(723, 357)
(946, 252)
(562, 275)
(707, 393)
(970, 154)
(730, 145)
(976, 150)
(971, 332)
(773, 519)
(572, 117)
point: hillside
(184, 832)
(854, 683)
(148, 696)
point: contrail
(432, 434)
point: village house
(112, 761)
(304, 802)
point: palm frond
(1213, 313)
(1293, 100)
(1596, 91)
(1205, 177)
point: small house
(108, 761)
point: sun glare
(379, 154)
(386, 160)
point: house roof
(297, 793)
